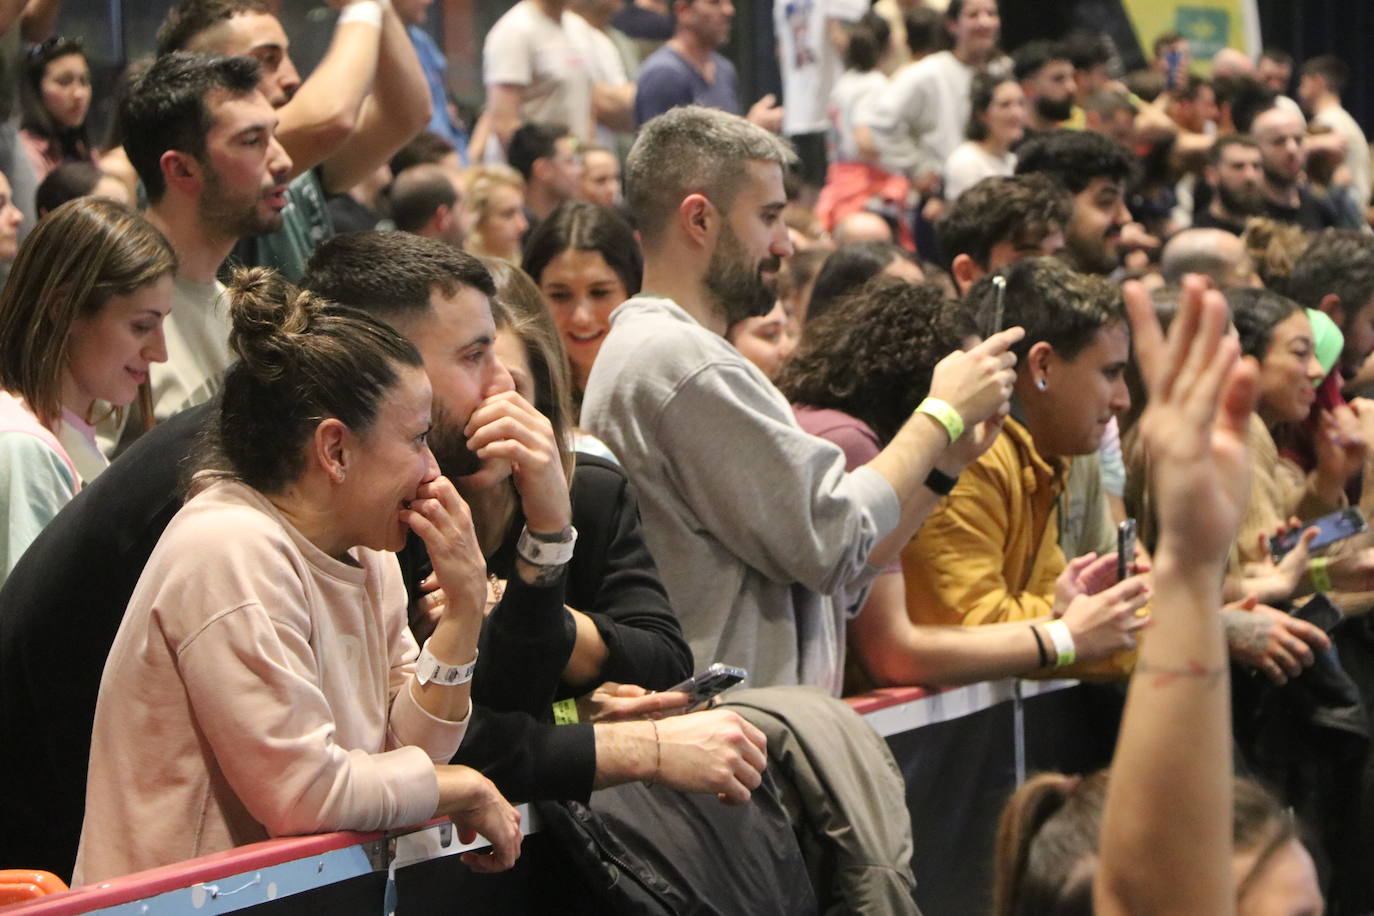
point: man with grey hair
(764, 541)
(1214, 253)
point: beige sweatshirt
(257, 687)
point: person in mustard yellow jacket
(990, 553)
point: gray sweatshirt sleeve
(780, 500)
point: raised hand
(978, 382)
(508, 428)
(1200, 398)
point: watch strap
(939, 482)
(539, 550)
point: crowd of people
(414, 462)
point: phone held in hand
(1320, 612)
(704, 685)
(1330, 528)
(1125, 549)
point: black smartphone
(704, 685)
(1320, 612)
(1125, 549)
(1330, 528)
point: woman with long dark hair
(55, 95)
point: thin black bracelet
(1040, 645)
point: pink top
(257, 687)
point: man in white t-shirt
(920, 118)
(811, 37)
(537, 65)
(1319, 89)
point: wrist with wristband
(941, 412)
(368, 11)
(1319, 572)
(1064, 648)
(429, 669)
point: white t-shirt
(1356, 150)
(850, 101)
(197, 334)
(608, 68)
(921, 116)
(548, 60)
(809, 61)
(970, 164)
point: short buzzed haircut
(1074, 158)
(1339, 261)
(1334, 71)
(423, 148)
(1022, 210)
(1224, 143)
(694, 150)
(1107, 103)
(166, 109)
(1033, 56)
(189, 18)
(391, 275)
(417, 193)
(532, 142)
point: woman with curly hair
(861, 369)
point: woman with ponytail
(264, 681)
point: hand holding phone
(703, 686)
(1125, 549)
(1330, 528)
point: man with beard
(202, 137)
(1045, 71)
(1280, 134)
(1235, 173)
(362, 102)
(763, 540)
(1094, 170)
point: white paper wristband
(369, 11)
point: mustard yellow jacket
(990, 552)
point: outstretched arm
(1201, 396)
(398, 108)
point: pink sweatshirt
(257, 687)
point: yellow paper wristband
(565, 712)
(945, 415)
(1319, 574)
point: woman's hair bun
(269, 315)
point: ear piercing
(1042, 384)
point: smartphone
(1330, 528)
(1125, 549)
(1320, 612)
(706, 684)
(1173, 64)
(999, 315)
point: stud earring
(1042, 385)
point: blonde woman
(494, 206)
